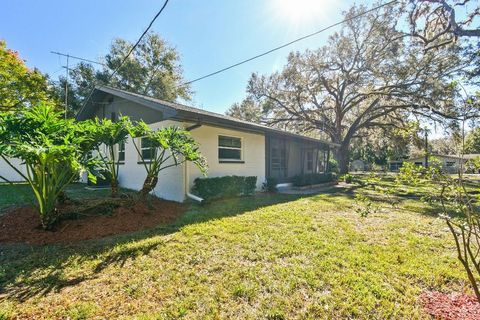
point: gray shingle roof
(183, 112)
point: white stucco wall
(253, 154)
(8, 173)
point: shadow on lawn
(31, 271)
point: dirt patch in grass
(89, 219)
(450, 307)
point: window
(114, 117)
(147, 148)
(419, 163)
(121, 152)
(229, 148)
(450, 163)
(279, 158)
(309, 160)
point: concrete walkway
(314, 190)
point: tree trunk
(342, 158)
(149, 184)
(114, 188)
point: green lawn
(265, 257)
(21, 194)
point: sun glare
(301, 11)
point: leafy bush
(347, 178)
(55, 151)
(224, 187)
(312, 178)
(270, 184)
(333, 165)
(458, 208)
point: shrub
(312, 178)
(270, 184)
(54, 150)
(224, 187)
(347, 178)
(333, 165)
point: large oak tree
(368, 75)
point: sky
(209, 35)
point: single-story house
(231, 146)
(449, 163)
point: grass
(21, 194)
(264, 257)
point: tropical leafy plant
(110, 135)
(54, 150)
(167, 147)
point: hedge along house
(231, 146)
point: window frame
(230, 160)
(140, 144)
(119, 150)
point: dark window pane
(147, 154)
(231, 154)
(231, 142)
(146, 143)
(278, 158)
(121, 152)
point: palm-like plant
(54, 150)
(111, 134)
(167, 147)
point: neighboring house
(449, 163)
(231, 146)
(358, 165)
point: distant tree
(444, 145)
(368, 76)
(19, 86)
(379, 145)
(472, 141)
(247, 110)
(153, 69)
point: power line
(289, 43)
(128, 54)
(77, 58)
(139, 39)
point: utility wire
(128, 54)
(288, 43)
(139, 40)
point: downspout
(186, 182)
(187, 193)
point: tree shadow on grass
(33, 271)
